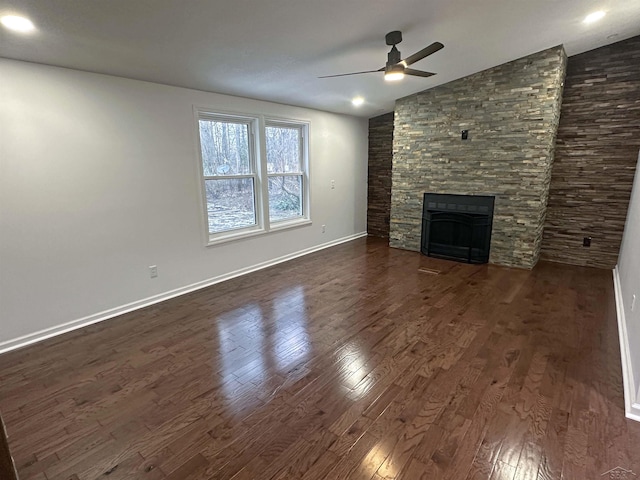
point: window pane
(225, 148)
(285, 197)
(230, 204)
(283, 149)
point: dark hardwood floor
(7, 468)
(347, 363)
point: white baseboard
(631, 405)
(145, 302)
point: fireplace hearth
(457, 227)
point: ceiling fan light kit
(394, 73)
(396, 68)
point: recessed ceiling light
(357, 101)
(594, 17)
(19, 24)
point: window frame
(258, 160)
(302, 172)
(252, 127)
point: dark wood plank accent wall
(7, 469)
(379, 177)
(596, 152)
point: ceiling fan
(396, 69)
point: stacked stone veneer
(511, 112)
(596, 154)
(379, 176)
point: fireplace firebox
(457, 227)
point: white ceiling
(275, 49)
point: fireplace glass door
(457, 227)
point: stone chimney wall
(511, 112)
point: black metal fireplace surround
(457, 227)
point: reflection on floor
(347, 363)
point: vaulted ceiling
(275, 49)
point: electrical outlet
(333, 184)
(324, 228)
(153, 271)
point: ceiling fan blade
(353, 73)
(417, 73)
(425, 52)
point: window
(229, 172)
(245, 190)
(285, 171)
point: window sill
(277, 227)
(217, 239)
(286, 224)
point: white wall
(98, 180)
(629, 274)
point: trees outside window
(229, 175)
(245, 190)
(285, 171)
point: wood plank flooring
(348, 363)
(7, 468)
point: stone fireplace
(511, 114)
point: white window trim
(303, 127)
(257, 153)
